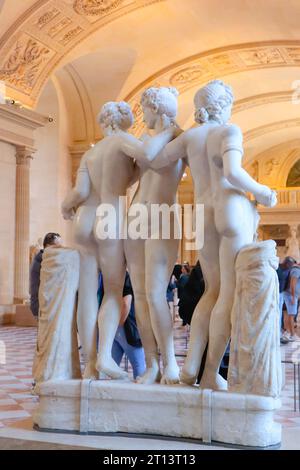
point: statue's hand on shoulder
(267, 197)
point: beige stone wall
(7, 226)
(50, 171)
(64, 180)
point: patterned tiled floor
(16, 355)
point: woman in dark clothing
(191, 294)
(185, 275)
(170, 295)
(35, 269)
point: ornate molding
(21, 67)
(261, 100)
(15, 139)
(18, 124)
(199, 69)
(267, 128)
(22, 116)
(287, 153)
(95, 7)
(34, 45)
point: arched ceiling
(49, 33)
(99, 50)
(37, 36)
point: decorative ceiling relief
(270, 166)
(58, 27)
(262, 56)
(47, 17)
(24, 64)
(189, 75)
(210, 65)
(294, 53)
(95, 7)
(54, 27)
(70, 35)
(275, 163)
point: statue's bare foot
(90, 371)
(187, 377)
(213, 382)
(170, 375)
(151, 376)
(111, 369)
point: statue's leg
(235, 232)
(220, 325)
(87, 310)
(219, 330)
(135, 256)
(112, 264)
(209, 261)
(160, 259)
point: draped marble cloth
(255, 359)
(57, 349)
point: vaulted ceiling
(99, 50)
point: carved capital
(24, 155)
(95, 7)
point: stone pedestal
(180, 411)
(24, 316)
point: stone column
(22, 221)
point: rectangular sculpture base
(178, 411)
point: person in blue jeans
(291, 296)
(127, 340)
(283, 273)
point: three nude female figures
(213, 150)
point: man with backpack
(288, 276)
(291, 296)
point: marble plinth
(179, 411)
(24, 316)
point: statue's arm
(232, 153)
(145, 152)
(135, 175)
(171, 153)
(80, 192)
